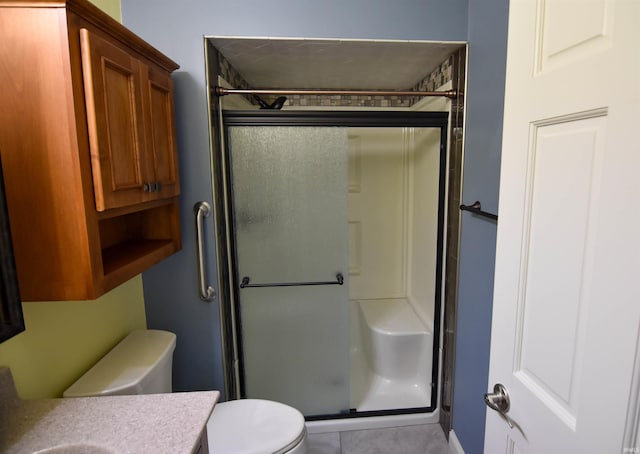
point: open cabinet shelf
(138, 239)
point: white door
(565, 334)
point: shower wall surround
(434, 80)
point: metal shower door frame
(234, 374)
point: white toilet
(142, 364)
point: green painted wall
(64, 338)
(111, 7)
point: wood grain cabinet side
(87, 136)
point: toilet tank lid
(126, 365)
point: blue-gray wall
(177, 29)
(483, 138)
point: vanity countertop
(152, 423)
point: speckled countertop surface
(154, 423)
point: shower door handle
(246, 283)
(202, 210)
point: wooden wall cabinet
(87, 139)
(130, 120)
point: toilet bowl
(141, 364)
(270, 425)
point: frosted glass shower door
(289, 191)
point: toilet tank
(140, 364)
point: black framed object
(378, 119)
(11, 320)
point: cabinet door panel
(112, 85)
(161, 132)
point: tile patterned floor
(422, 439)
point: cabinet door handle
(202, 210)
(154, 186)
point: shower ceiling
(332, 63)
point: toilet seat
(255, 426)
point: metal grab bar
(476, 208)
(245, 283)
(202, 210)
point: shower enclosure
(334, 233)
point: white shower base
(391, 357)
(371, 392)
